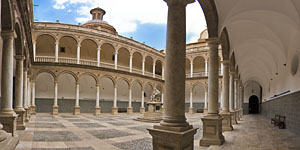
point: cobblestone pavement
(108, 132)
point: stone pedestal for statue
(212, 131)
(32, 110)
(142, 110)
(7, 142)
(191, 110)
(26, 114)
(21, 119)
(9, 122)
(233, 117)
(154, 114)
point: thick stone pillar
(77, 107)
(231, 98)
(97, 110)
(55, 106)
(142, 108)
(56, 51)
(18, 101)
(115, 106)
(174, 123)
(212, 121)
(205, 101)
(25, 95)
(116, 60)
(191, 109)
(129, 108)
(78, 53)
(192, 71)
(33, 112)
(8, 117)
(226, 123)
(163, 73)
(98, 56)
(130, 62)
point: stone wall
(287, 105)
(246, 108)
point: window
(94, 16)
(113, 57)
(99, 16)
(62, 49)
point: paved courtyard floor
(120, 132)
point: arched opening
(148, 92)
(45, 46)
(187, 67)
(123, 59)
(44, 92)
(158, 68)
(198, 96)
(137, 61)
(148, 65)
(66, 93)
(87, 93)
(88, 50)
(106, 94)
(123, 93)
(136, 91)
(107, 55)
(198, 66)
(253, 105)
(67, 47)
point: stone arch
(149, 64)
(37, 35)
(35, 75)
(7, 15)
(90, 74)
(158, 67)
(19, 48)
(88, 49)
(137, 59)
(69, 43)
(123, 91)
(125, 79)
(69, 35)
(110, 77)
(68, 72)
(139, 82)
(107, 55)
(92, 39)
(199, 65)
(44, 91)
(107, 83)
(123, 57)
(225, 43)
(45, 45)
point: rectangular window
(62, 49)
(113, 57)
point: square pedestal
(233, 118)
(226, 122)
(129, 110)
(191, 110)
(212, 131)
(205, 111)
(142, 110)
(32, 110)
(97, 111)
(20, 119)
(114, 111)
(54, 110)
(9, 123)
(163, 139)
(76, 110)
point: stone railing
(67, 60)
(88, 62)
(200, 74)
(45, 59)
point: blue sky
(144, 20)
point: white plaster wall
(87, 87)
(123, 90)
(198, 93)
(44, 86)
(136, 92)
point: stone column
(129, 108)
(206, 67)
(162, 101)
(153, 70)
(116, 60)
(55, 106)
(205, 101)
(130, 62)
(97, 110)
(143, 66)
(7, 115)
(34, 49)
(174, 122)
(25, 95)
(115, 106)
(236, 98)
(163, 73)
(77, 107)
(226, 123)
(56, 51)
(78, 54)
(29, 96)
(98, 56)
(18, 101)
(231, 98)
(191, 109)
(212, 121)
(142, 108)
(33, 112)
(192, 68)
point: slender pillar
(206, 67)
(97, 110)
(130, 62)
(191, 109)
(25, 95)
(78, 54)
(174, 122)
(55, 106)
(116, 60)
(163, 73)
(129, 108)
(212, 119)
(231, 98)
(98, 56)
(34, 49)
(205, 101)
(226, 123)
(33, 112)
(236, 98)
(143, 66)
(77, 107)
(142, 108)
(115, 106)
(153, 71)
(56, 51)
(29, 96)
(192, 68)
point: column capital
(98, 84)
(55, 81)
(212, 41)
(8, 34)
(78, 45)
(56, 42)
(19, 57)
(176, 2)
(225, 62)
(232, 73)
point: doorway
(253, 105)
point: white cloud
(193, 39)
(125, 15)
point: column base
(32, 110)
(114, 111)
(26, 114)
(7, 142)
(163, 109)
(237, 115)
(9, 122)
(242, 113)
(97, 111)
(205, 111)
(20, 119)
(233, 117)
(29, 112)
(142, 110)
(129, 110)
(226, 122)
(191, 110)
(54, 110)
(76, 110)
(164, 138)
(212, 131)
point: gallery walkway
(107, 132)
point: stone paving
(120, 132)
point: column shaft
(236, 96)
(191, 99)
(225, 91)
(32, 93)
(143, 98)
(205, 100)
(116, 60)
(77, 95)
(98, 56)
(19, 84)
(153, 70)
(231, 92)
(97, 96)
(34, 50)
(130, 96)
(192, 68)
(56, 51)
(115, 96)
(130, 63)
(55, 93)
(206, 67)
(78, 54)
(25, 104)
(143, 66)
